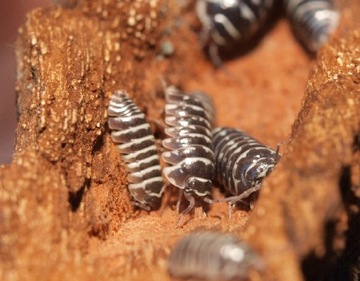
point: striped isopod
(189, 148)
(242, 162)
(207, 103)
(131, 132)
(212, 256)
(228, 22)
(313, 21)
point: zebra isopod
(135, 141)
(213, 256)
(207, 103)
(242, 162)
(228, 22)
(189, 147)
(313, 21)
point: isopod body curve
(135, 141)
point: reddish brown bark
(65, 209)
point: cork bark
(65, 209)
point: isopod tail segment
(133, 137)
(189, 155)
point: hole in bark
(34, 74)
(99, 142)
(332, 266)
(76, 197)
(345, 267)
(348, 267)
(317, 268)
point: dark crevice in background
(317, 268)
(345, 265)
(75, 198)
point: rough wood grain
(65, 210)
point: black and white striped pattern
(207, 103)
(226, 22)
(189, 146)
(212, 256)
(313, 21)
(131, 132)
(241, 162)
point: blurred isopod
(313, 21)
(213, 256)
(230, 22)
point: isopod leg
(191, 200)
(215, 56)
(227, 199)
(166, 198)
(142, 206)
(230, 209)
(232, 200)
(179, 200)
(244, 195)
(277, 154)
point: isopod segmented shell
(212, 256)
(313, 21)
(229, 22)
(242, 162)
(189, 147)
(207, 103)
(135, 141)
